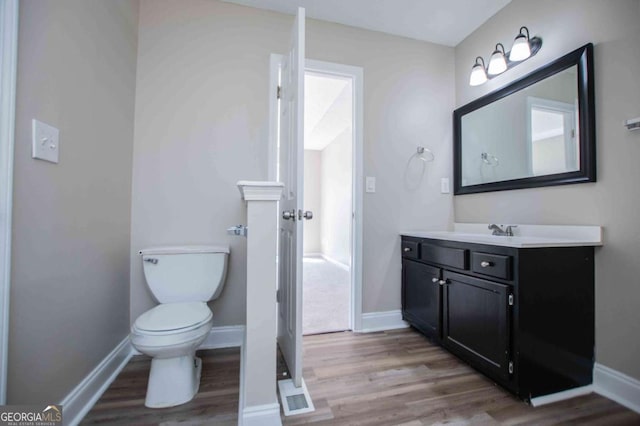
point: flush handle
(151, 260)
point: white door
(291, 174)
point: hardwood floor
(215, 404)
(385, 378)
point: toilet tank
(185, 273)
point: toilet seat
(172, 318)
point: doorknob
(307, 215)
(289, 215)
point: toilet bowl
(182, 279)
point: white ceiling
(445, 22)
(327, 109)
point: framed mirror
(537, 131)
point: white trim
(260, 190)
(243, 360)
(224, 337)
(313, 254)
(561, 396)
(275, 60)
(623, 389)
(8, 66)
(357, 76)
(381, 321)
(336, 262)
(83, 397)
(261, 415)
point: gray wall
(70, 269)
(613, 202)
(201, 124)
(336, 202)
(312, 188)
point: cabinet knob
(434, 280)
(485, 264)
(406, 249)
(443, 282)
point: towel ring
(420, 153)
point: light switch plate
(370, 184)
(444, 185)
(45, 143)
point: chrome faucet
(497, 230)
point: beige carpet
(325, 297)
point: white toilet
(182, 279)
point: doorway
(328, 177)
(314, 257)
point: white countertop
(526, 236)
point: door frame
(357, 186)
(8, 66)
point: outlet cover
(45, 144)
(370, 185)
(444, 186)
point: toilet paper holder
(238, 230)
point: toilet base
(173, 381)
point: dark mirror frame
(583, 58)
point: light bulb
(478, 73)
(521, 49)
(497, 63)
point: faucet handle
(509, 230)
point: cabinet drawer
(493, 265)
(447, 256)
(411, 249)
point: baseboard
(336, 262)
(261, 415)
(82, 398)
(381, 321)
(617, 386)
(561, 396)
(312, 254)
(224, 337)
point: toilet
(183, 279)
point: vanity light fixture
(523, 48)
(478, 73)
(498, 61)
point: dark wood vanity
(522, 316)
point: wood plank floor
(385, 378)
(215, 404)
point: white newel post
(258, 400)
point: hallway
(326, 296)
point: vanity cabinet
(522, 316)
(476, 320)
(422, 299)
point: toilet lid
(173, 316)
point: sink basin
(537, 236)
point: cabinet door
(476, 322)
(421, 297)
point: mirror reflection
(532, 132)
